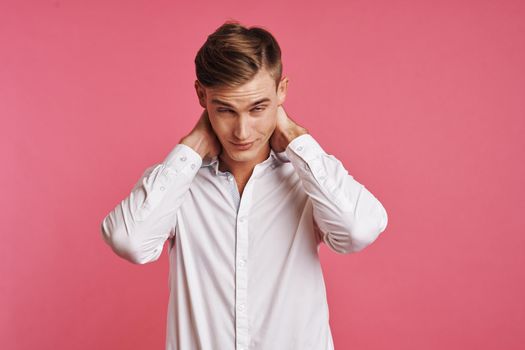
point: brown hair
(234, 54)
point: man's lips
(243, 144)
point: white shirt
(245, 272)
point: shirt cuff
(183, 160)
(306, 147)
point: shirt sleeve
(138, 226)
(348, 217)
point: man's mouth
(243, 145)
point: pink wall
(422, 101)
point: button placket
(241, 273)
(242, 262)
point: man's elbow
(365, 231)
(125, 246)
(361, 232)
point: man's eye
(259, 109)
(224, 110)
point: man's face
(245, 114)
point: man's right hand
(202, 138)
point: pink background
(423, 101)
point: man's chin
(241, 156)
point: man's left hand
(285, 131)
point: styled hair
(234, 54)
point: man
(245, 199)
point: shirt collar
(273, 160)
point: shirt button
(183, 158)
(242, 262)
(162, 188)
(242, 218)
(241, 307)
(230, 178)
(300, 148)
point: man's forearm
(197, 142)
(292, 133)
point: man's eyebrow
(219, 102)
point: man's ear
(282, 89)
(201, 93)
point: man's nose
(241, 130)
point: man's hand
(285, 131)
(202, 138)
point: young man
(245, 199)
